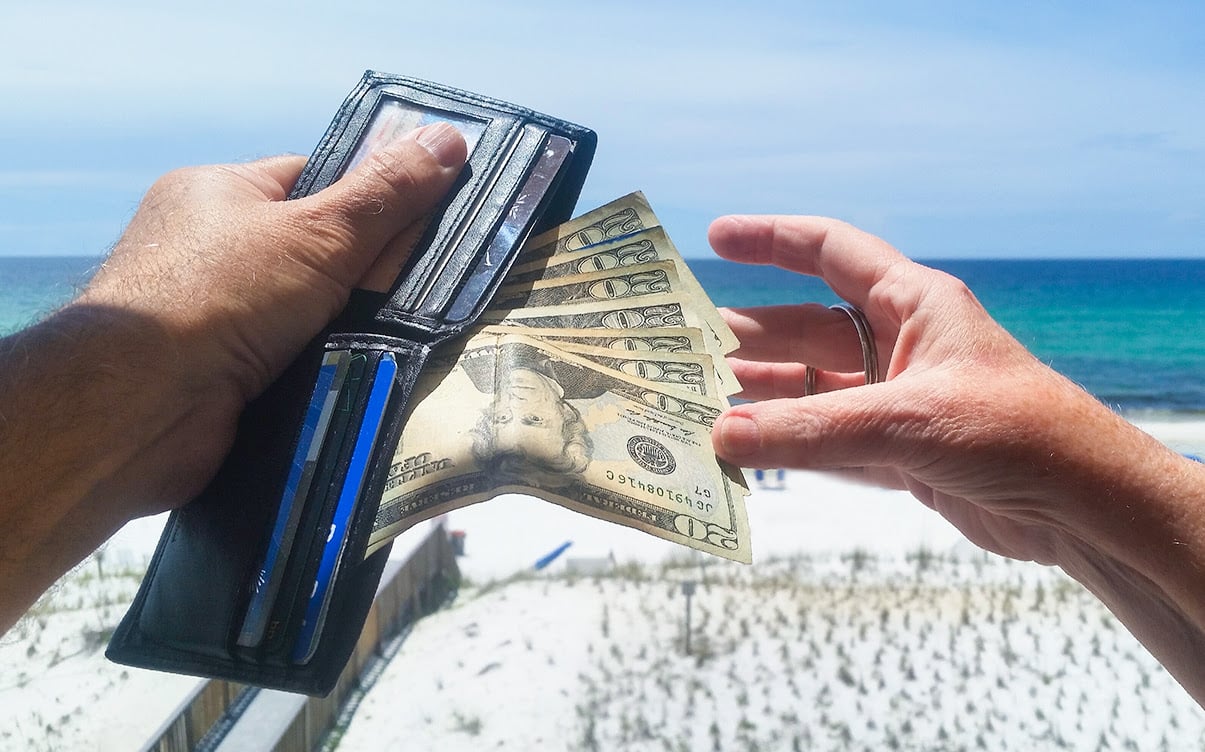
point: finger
(808, 333)
(390, 189)
(851, 261)
(761, 381)
(848, 428)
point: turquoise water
(1131, 331)
(30, 287)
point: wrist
(102, 393)
(1131, 496)
(80, 399)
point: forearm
(1139, 544)
(1163, 623)
(85, 404)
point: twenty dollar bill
(507, 413)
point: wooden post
(688, 589)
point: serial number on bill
(661, 492)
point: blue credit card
(349, 495)
(292, 501)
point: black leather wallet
(263, 578)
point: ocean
(1132, 331)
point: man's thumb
(388, 190)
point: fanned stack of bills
(592, 383)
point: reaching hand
(1019, 459)
(962, 419)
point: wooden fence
(224, 716)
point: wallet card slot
(314, 432)
(353, 526)
(350, 495)
(302, 565)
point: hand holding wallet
(262, 579)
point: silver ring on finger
(870, 353)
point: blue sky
(950, 128)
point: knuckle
(811, 438)
(171, 185)
(319, 225)
(951, 287)
(397, 168)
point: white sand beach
(865, 621)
